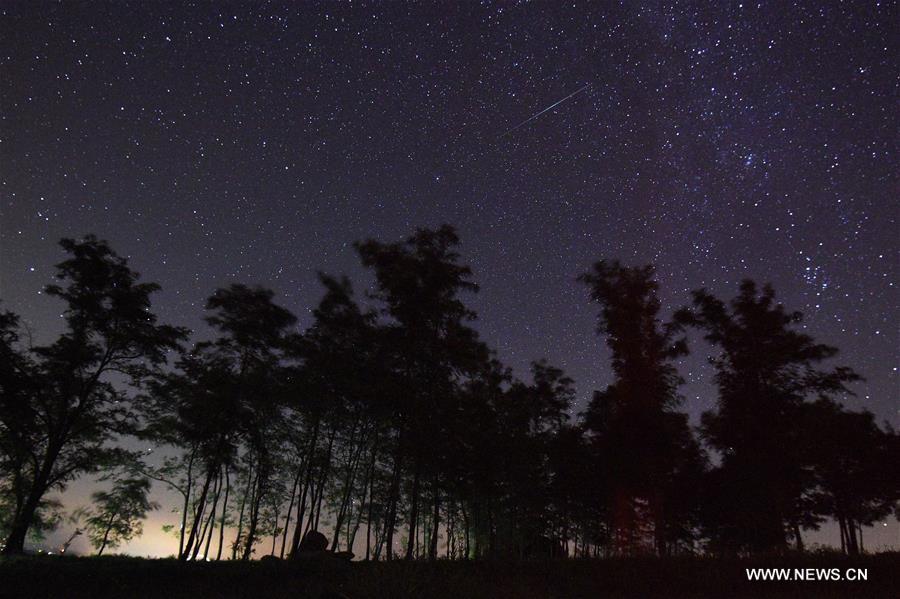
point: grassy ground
(67, 577)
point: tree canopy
(388, 428)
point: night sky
(254, 143)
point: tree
(521, 512)
(857, 480)
(333, 401)
(419, 282)
(643, 441)
(194, 408)
(253, 336)
(224, 396)
(117, 514)
(61, 410)
(764, 371)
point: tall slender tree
(419, 282)
(253, 335)
(635, 424)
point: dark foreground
(682, 577)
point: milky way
(255, 143)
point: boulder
(313, 541)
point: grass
(72, 577)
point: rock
(313, 541)
(312, 556)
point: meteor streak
(551, 107)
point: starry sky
(255, 142)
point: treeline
(397, 432)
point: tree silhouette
(253, 336)
(390, 424)
(643, 440)
(764, 370)
(857, 480)
(418, 281)
(61, 410)
(118, 514)
(195, 409)
(333, 407)
(224, 395)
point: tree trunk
(301, 506)
(323, 479)
(112, 518)
(207, 521)
(211, 519)
(413, 514)
(435, 525)
(842, 526)
(188, 486)
(240, 526)
(465, 516)
(287, 520)
(852, 543)
(798, 538)
(15, 541)
(261, 476)
(393, 496)
(224, 515)
(370, 484)
(347, 491)
(23, 519)
(198, 516)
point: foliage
(388, 426)
(117, 515)
(60, 411)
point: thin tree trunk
(189, 485)
(393, 497)
(206, 521)
(287, 520)
(240, 528)
(224, 514)
(301, 506)
(370, 482)
(109, 524)
(798, 538)
(435, 524)
(843, 529)
(465, 516)
(198, 516)
(347, 491)
(413, 513)
(274, 532)
(261, 476)
(853, 544)
(323, 478)
(211, 520)
(451, 531)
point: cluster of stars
(740, 140)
